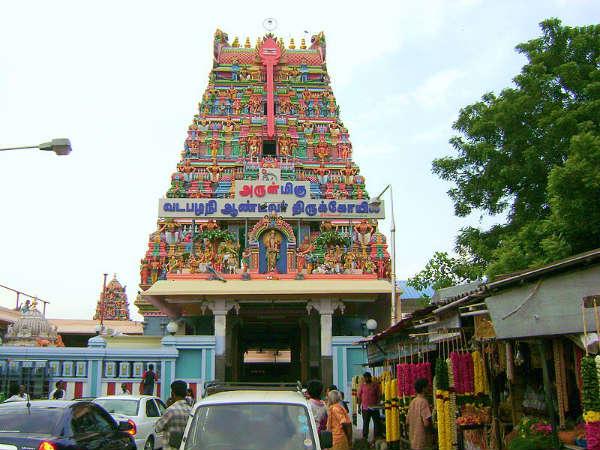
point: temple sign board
(285, 206)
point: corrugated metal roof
(453, 292)
(411, 292)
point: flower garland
(591, 391)
(463, 372)
(591, 401)
(450, 408)
(440, 395)
(561, 386)
(441, 375)
(480, 378)
(408, 374)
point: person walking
(338, 422)
(369, 395)
(333, 387)
(419, 418)
(314, 389)
(124, 389)
(149, 377)
(173, 421)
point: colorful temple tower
(266, 238)
(112, 304)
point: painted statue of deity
(363, 232)
(253, 146)
(228, 126)
(272, 241)
(303, 251)
(245, 263)
(285, 146)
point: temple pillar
(220, 309)
(326, 307)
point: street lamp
(172, 327)
(61, 147)
(375, 202)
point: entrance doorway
(270, 343)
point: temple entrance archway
(272, 343)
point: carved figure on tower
(363, 232)
(272, 242)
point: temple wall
(100, 369)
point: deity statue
(253, 146)
(272, 242)
(363, 232)
(236, 106)
(214, 149)
(344, 151)
(173, 264)
(235, 70)
(285, 148)
(303, 69)
(303, 251)
(192, 264)
(228, 125)
(144, 271)
(245, 263)
(322, 148)
(215, 172)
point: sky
(122, 80)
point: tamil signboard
(229, 208)
(269, 194)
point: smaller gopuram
(266, 241)
(113, 303)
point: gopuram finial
(303, 44)
(247, 43)
(292, 44)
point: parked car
(58, 425)
(142, 411)
(254, 420)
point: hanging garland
(591, 393)
(561, 386)
(450, 408)
(591, 401)
(480, 380)
(441, 375)
(442, 401)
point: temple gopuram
(113, 303)
(266, 240)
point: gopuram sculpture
(266, 185)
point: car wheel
(149, 444)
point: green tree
(443, 270)
(532, 153)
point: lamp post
(61, 147)
(376, 201)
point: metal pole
(393, 257)
(102, 304)
(18, 148)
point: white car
(142, 411)
(253, 420)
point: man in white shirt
(18, 394)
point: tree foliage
(532, 153)
(443, 270)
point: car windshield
(29, 420)
(245, 426)
(119, 406)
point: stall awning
(241, 288)
(549, 306)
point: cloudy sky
(122, 80)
